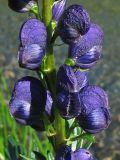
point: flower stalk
(49, 70)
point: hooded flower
(74, 23)
(29, 101)
(95, 113)
(33, 43)
(87, 51)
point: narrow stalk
(60, 129)
(49, 70)
(47, 16)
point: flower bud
(22, 5)
(58, 8)
(31, 56)
(93, 38)
(64, 153)
(69, 104)
(74, 22)
(71, 79)
(95, 114)
(33, 31)
(82, 154)
(29, 101)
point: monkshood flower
(22, 5)
(87, 51)
(64, 153)
(58, 8)
(71, 79)
(69, 104)
(29, 100)
(33, 31)
(74, 23)
(31, 56)
(82, 154)
(33, 43)
(95, 114)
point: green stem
(49, 70)
(47, 16)
(60, 130)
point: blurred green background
(106, 74)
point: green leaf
(50, 131)
(24, 157)
(2, 157)
(51, 156)
(13, 149)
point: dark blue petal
(49, 102)
(95, 113)
(71, 79)
(82, 78)
(82, 154)
(74, 22)
(69, 104)
(66, 79)
(96, 121)
(90, 41)
(89, 59)
(31, 56)
(58, 8)
(33, 31)
(93, 97)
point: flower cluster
(75, 98)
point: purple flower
(74, 23)
(22, 5)
(87, 51)
(31, 56)
(69, 104)
(71, 79)
(33, 31)
(29, 100)
(33, 43)
(94, 37)
(58, 8)
(95, 114)
(82, 154)
(64, 153)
